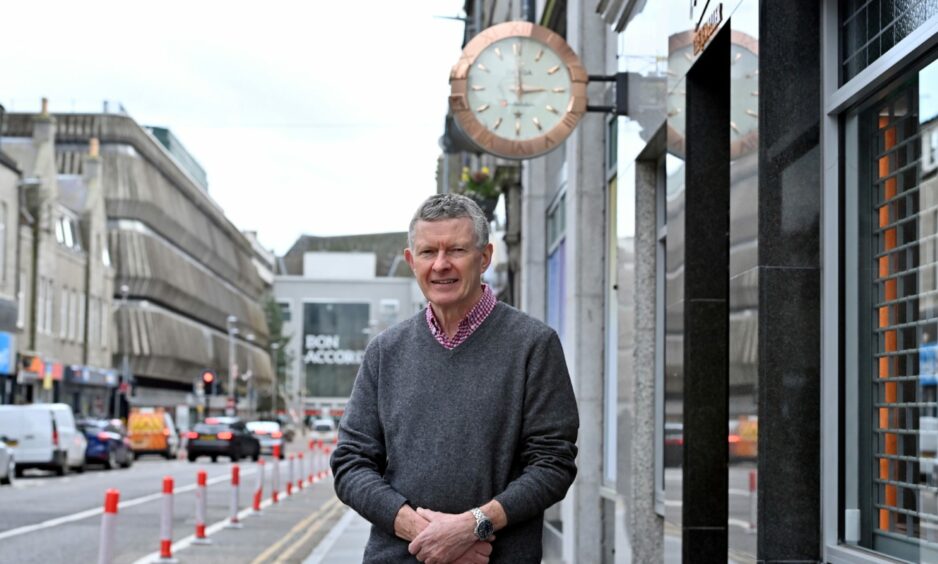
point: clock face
(518, 90)
(744, 101)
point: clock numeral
(498, 53)
(516, 48)
(482, 67)
(537, 57)
(497, 123)
(478, 88)
(537, 123)
(752, 113)
(551, 109)
(559, 89)
(737, 58)
(553, 69)
(754, 93)
(734, 126)
(518, 127)
(482, 108)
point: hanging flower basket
(481, 187)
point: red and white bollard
(108, 527)
(313, 463)
(233, 521)
(300, 474)
(201, 499)
(290, 475)
(166, 522)
(322, 460)
(753, 500)
(259, 487)
(328, 470)
(275, 480)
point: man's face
(447, 263)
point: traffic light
(209, 380)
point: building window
(895, 369)
(556, 270)
(869, 28)
(21, 297)
(80, 331)
(63, 314)
(285, 314)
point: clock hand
(528, 89)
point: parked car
(269, 435)
(151, 431)
(7, 462)
(107, 443)
(45, 437)
(324, 429)
(222, 437)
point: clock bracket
(621, 80)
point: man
(462, 423)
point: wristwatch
(484, 527)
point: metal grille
(869, 28)
(905, 309)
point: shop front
(90, 391)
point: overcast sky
(317, 117)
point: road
(44, 518)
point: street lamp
(125, 364)
(273, 399)
(232, 366)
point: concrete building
(10, 281)
(135, 266)
(751, 241)
(332, 303)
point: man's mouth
(444, 281)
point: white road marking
(325, 545)
(99, 510)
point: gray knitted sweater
(450, 430)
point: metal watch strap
(480, 517)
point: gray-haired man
(462, 421)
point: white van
(44, 436)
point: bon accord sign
(327, 349)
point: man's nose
(441, 262)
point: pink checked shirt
(468, 325)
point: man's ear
(409, 257)
(487, 253)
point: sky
(316, 117)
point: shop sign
(7, 354)
(334, 338)
(706, 28)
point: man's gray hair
(451, 206)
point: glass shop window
(898, 320)
(869, 28)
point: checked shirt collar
(468, 325)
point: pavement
(345, 543)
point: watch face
(484, 529)
(518, 90)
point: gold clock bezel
(483, 136)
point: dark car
(107, 443)
(222, 437)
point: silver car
(269, 434)
(7, 462)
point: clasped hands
(442, 538)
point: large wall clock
(518, 90)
